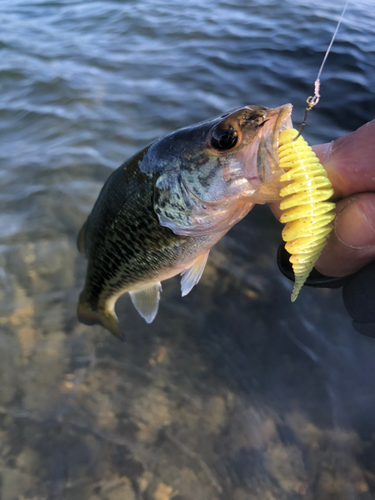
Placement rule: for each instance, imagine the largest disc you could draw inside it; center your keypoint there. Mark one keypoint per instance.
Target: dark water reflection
(233, 393)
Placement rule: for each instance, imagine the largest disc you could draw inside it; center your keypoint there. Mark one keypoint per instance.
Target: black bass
(160, 213)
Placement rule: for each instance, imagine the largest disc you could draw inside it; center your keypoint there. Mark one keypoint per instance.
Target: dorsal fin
(81, 239)
(146, 301)
(192, 275)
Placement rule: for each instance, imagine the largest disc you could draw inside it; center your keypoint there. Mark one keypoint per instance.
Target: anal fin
(192, 275)
(146, 301)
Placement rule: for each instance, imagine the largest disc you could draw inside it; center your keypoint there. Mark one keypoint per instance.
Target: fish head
(210, 175)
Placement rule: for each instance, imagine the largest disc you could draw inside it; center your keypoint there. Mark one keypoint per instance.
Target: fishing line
(313, 100)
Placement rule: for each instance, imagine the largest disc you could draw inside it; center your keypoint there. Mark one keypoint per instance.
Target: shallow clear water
(233, 393)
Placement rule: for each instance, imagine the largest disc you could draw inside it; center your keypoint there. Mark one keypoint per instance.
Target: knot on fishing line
(313, 100)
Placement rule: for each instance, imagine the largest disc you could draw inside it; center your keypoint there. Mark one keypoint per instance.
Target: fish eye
(224, 137)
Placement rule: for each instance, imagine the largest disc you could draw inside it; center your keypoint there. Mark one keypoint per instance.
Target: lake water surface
(233, 393)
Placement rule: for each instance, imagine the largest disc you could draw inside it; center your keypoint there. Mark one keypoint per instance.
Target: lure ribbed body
(307, 214)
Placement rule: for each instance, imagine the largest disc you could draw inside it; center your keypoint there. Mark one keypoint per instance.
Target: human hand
(350, 164)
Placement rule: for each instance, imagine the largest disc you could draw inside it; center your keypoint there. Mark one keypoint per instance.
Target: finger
(350, 161)
(351, 244)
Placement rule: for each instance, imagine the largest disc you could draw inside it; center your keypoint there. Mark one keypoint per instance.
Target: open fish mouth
(267, 161)
(283, 122)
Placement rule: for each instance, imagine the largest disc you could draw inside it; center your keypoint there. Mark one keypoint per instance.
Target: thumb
(352, 243)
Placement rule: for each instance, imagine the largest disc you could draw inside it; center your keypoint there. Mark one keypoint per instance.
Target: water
(233, 393)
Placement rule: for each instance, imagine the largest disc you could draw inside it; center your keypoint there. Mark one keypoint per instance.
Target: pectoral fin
(192, 275)
(146, 301)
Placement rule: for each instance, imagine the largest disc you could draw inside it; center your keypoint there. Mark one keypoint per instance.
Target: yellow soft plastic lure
(307, 214)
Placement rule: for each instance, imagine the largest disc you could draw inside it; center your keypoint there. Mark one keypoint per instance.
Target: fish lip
(280, 119)
(283, 122)
(268, 155)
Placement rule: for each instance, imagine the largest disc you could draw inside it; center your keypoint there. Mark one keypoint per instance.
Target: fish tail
(81, 239)
(92, 316)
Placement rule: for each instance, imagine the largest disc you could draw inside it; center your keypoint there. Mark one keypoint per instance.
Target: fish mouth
(268, 171)
(279, 120)
(283, 122)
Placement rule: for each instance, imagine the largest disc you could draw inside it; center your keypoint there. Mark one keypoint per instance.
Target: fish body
(160, 213)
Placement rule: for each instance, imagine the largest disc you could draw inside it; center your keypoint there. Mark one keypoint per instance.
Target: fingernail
(355, 224)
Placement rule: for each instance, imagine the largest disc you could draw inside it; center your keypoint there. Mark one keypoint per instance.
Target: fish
(159, 214)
